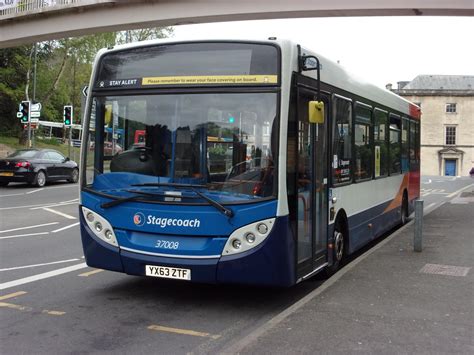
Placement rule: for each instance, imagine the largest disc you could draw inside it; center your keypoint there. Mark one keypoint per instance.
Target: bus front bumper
(269, 264)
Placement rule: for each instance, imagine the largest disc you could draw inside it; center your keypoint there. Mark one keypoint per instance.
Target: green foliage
(40, 143)
(217, 150)
(51, 142)
(63, 68)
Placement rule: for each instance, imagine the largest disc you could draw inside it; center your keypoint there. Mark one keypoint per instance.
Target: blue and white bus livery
(251, 166)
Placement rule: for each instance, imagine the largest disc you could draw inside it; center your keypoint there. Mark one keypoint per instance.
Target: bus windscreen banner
(190, 64)
(216, 79)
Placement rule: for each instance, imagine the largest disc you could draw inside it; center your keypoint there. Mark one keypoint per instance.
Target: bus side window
(405, 145)
(342, 142)
(380, 143)
(412, 142)
(363, 142)
(395, 153)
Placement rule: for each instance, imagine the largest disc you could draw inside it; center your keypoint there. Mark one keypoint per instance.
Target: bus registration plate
(168, 272)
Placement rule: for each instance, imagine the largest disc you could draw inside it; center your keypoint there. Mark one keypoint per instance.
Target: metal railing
(10, 8)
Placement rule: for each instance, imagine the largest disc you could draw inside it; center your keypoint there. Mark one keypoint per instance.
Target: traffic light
(67, 115)
(24, 112)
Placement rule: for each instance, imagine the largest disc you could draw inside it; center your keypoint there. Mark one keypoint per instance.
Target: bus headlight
(248, 237)
(236, 244)
(100, 226)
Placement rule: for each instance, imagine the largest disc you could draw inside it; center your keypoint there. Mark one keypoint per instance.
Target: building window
(450, 135)
(450, 108)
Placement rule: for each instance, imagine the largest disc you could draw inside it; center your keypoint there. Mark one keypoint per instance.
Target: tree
(14, 66)
(63, 68)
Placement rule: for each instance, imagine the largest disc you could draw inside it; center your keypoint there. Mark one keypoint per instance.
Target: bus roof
(331, 73)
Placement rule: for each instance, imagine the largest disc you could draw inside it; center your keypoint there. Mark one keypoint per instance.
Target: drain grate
(447, 270)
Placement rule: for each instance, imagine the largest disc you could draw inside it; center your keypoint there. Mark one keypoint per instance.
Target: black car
(36, 167)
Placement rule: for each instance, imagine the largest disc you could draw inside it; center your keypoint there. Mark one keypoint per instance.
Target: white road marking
(23, 235)
(59, 213)
(22, 228)
(460, 190)
(42, 276)
(32, 192)
(70, 201)
(59, 204)
(36, 207)
(36, 265)
(64, 228)
(430, 205)
(9, 195)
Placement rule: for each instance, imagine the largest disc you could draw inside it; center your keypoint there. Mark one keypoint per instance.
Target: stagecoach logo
(139, 219)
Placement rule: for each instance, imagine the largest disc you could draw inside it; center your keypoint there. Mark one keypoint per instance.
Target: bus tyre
(40, 179)
(404, 210)
(339, 249)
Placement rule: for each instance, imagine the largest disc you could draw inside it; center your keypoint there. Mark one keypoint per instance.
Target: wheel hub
(339, 245)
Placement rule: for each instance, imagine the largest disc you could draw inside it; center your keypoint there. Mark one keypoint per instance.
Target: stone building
(447, 122)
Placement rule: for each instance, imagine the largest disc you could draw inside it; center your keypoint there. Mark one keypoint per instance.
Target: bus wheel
(338, 246)
(338, 250)
(404, 211)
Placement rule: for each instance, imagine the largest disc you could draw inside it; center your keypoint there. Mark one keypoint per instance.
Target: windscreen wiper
(169, 184)
(221, 208)
(120, 200)
(226, 211)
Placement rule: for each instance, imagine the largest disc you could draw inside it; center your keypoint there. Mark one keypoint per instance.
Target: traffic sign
(35, 114)
(34, 120)
(36, 107)
(85, 89)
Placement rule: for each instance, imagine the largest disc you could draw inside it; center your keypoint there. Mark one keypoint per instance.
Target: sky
(380, 49)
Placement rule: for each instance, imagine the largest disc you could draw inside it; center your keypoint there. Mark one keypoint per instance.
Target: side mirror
(309, 62)
(316, 112)
(66, 159)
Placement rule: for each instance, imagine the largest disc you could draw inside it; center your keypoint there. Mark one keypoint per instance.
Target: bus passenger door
(311, 185)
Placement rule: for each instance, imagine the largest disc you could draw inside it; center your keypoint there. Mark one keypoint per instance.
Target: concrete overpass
(29, 21)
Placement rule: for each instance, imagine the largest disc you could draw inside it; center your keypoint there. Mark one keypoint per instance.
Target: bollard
(417, 241)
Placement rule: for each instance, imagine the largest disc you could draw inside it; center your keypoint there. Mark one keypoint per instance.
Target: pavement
(390, 300)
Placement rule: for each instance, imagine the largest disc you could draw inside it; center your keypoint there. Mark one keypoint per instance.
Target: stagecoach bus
(260, 162)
